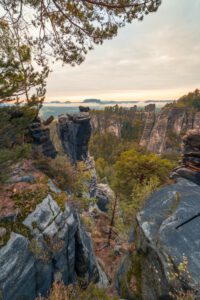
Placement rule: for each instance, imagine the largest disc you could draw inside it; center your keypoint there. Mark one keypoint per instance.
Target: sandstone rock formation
(150, 116)
(58, 248)
(51, 244)
(74, 132)
(169, 246)
(100, 124)
(41, 138)
(71, 134)
(190, 165)
(167, 235)
(163, 132)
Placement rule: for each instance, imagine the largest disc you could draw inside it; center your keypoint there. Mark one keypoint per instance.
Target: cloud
(157, 58)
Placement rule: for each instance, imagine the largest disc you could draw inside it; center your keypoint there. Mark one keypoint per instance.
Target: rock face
(104, 196)
(17, 265)
(58, 249)
(101, 124)
(190, 166)
(167, 235)
(170, 244)
(150, 115)
(163, 132)
(74, 131)
(41, 139)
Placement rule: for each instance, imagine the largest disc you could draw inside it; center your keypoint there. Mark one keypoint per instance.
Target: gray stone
(17, 276)
(3, 231)
(104, 196)
(121, 279)
(25, 178)
(43, 215)
(163, 131)
(53, 187)
(60, 250)
(75, 131)
(86, 265)
(41, 138)
(165, 245)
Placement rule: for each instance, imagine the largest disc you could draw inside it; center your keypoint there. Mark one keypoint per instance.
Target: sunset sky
(158, 58)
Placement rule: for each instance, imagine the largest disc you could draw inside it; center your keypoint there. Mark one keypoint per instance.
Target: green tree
(19, 81)
(67, 29)
(135, 168)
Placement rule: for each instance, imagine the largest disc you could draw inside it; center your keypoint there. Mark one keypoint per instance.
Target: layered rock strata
(163, 132)
(150, 116)
(190, 165)
(167, 235)
(57, 249)
(168, 238)
(41, 140)
(74, 132)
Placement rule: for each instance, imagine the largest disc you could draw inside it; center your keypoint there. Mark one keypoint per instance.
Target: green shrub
(135, 168)
(61, 292)
(59, 169)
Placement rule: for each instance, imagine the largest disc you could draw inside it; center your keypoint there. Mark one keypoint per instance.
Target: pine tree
(19, 81)
(67, 29)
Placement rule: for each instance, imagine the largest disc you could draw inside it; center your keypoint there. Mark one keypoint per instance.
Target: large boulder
(168, 236)
(104, 196)
(58, 249)
(17, 276)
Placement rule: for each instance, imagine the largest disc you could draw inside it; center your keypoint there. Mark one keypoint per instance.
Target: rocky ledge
(190, 165)
(58, 249)
(168, 238)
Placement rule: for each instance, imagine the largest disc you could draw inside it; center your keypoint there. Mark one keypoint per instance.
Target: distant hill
(92, 101)
(107, 101)
(158, 101)
(59, 102)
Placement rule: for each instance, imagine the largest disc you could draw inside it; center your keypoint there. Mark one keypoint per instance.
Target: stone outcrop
(104, 196)
(41, 140)
(190, 165)
(102, 124)
(74, 132)
(150, 116)
(169, 238)
(57, 249)
(167, 235)
(163, 131)
(69, 134)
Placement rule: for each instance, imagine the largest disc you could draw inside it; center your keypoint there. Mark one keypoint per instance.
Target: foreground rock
(168, 237)
(58, 249)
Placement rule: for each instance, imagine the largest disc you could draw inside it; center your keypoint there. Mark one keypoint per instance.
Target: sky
(158, 58)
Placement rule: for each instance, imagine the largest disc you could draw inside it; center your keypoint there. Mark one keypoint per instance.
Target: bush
(61, 292)
(139, 195)
(59, 169)
(14, 122)
(135, 168)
